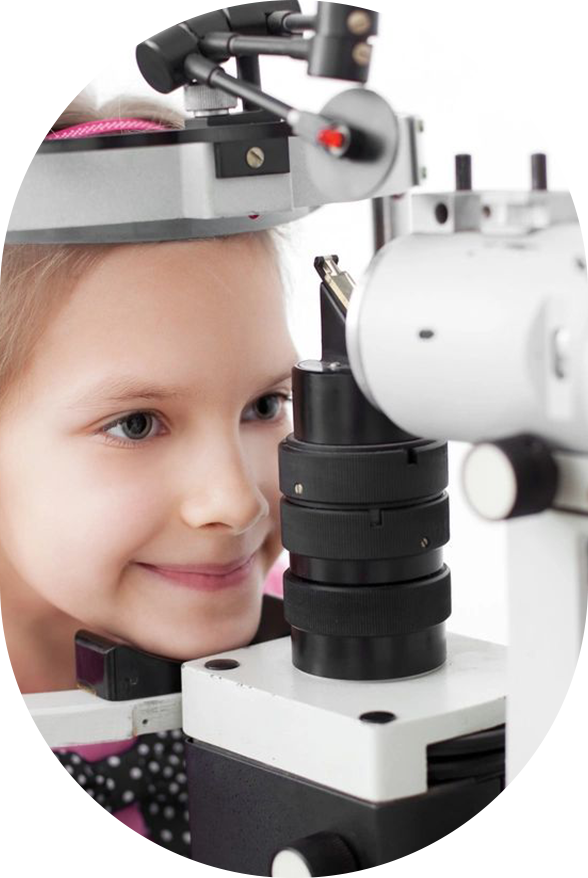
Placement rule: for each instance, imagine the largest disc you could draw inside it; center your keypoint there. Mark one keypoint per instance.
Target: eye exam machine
(355, 730)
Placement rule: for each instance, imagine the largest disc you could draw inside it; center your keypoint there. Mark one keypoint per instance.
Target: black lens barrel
(364, 517)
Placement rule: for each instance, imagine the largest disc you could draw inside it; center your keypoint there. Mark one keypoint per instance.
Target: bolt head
(255, 157)
(298, 488)
(361, 54)
(359, 22)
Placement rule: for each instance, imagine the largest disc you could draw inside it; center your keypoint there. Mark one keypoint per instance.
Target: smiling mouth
(207, 569)
(204, 577)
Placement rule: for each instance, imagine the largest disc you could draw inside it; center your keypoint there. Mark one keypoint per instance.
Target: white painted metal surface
(269, 711)
(490, 334)
(289, 864)
(74, 717)
(548, 583)
(489, 481)
(572, 491)
(170, 184)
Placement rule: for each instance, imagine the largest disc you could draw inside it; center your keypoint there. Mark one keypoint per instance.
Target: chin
(198, 642)
(209, 646)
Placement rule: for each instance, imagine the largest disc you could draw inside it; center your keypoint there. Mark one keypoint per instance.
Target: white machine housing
(483, 333)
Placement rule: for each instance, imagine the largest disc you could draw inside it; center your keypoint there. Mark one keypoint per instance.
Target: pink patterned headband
(106, 126)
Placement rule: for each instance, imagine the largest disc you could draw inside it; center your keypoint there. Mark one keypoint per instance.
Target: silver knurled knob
(201, 99)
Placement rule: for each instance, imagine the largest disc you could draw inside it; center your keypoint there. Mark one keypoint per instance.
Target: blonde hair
(36, 280)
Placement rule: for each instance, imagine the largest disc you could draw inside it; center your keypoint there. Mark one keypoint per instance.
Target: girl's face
(143, 442)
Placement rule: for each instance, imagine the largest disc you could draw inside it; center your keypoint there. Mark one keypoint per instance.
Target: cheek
(67, 522)
(262, 451)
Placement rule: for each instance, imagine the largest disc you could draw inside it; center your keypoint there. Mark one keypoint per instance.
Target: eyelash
(136, 443)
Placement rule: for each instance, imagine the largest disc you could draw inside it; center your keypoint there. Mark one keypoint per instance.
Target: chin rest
(120, 672)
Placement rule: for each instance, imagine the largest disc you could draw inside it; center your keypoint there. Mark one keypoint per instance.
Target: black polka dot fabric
(150, 774)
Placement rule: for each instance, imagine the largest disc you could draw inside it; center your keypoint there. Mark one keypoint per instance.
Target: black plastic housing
(120, 672)
(365, 517)
(269, 810)
(334, 47)
(161, 58)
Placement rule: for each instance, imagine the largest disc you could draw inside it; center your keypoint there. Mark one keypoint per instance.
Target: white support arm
(75, 717)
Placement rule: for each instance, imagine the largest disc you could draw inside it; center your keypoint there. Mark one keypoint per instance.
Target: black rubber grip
(365, 534)
(367, 611)
(335, 474)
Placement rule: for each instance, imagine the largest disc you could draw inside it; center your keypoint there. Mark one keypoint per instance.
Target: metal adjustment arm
(334, 137)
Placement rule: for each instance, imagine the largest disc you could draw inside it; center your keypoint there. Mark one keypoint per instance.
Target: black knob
(511, 477)
(324, 853)
(161, 58)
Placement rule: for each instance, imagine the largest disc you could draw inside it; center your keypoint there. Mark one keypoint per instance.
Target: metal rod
(248, 71)
(380, 223)
(219, 45)
(463, 173)
(204, 70)
(290, 22)
(390, 219)
(539, 171)
(296, 21)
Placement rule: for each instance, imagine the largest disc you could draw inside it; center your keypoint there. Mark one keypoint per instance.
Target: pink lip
(207, 569)
(205, 577)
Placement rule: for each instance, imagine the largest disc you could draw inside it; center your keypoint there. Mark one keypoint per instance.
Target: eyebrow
(124, 389)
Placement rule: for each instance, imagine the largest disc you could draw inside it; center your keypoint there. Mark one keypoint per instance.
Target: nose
(225, 493)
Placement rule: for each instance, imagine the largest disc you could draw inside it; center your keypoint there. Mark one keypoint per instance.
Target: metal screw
(361, 54)
(255, 157)
(420, 126)
(424, 542)
(334, 366)
(359, 22)
(423, 173)
(298, 488)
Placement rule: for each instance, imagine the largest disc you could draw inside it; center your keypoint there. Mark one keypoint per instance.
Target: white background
(497, 85)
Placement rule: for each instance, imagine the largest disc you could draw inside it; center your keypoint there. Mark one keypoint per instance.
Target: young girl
(143, 393)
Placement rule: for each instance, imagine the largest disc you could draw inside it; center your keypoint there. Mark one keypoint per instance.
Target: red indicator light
(331, 138)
